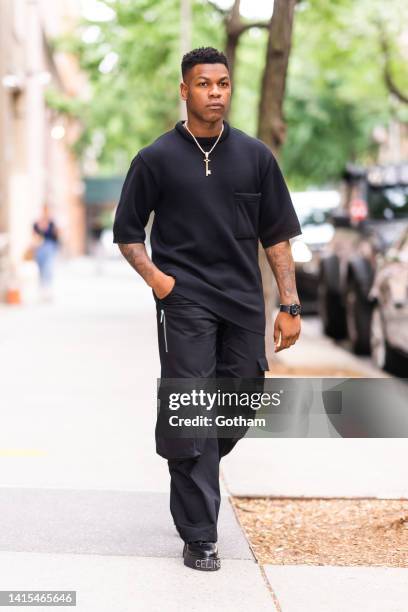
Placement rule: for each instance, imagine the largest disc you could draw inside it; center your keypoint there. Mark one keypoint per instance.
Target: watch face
(295, 309)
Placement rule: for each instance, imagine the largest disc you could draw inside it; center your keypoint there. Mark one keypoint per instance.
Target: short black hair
(202, 55)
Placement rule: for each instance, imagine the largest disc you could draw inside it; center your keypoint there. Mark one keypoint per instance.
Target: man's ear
(183, 90)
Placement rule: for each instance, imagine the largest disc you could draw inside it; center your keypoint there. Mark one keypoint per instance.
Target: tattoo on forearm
(281, 262)
(138, 258)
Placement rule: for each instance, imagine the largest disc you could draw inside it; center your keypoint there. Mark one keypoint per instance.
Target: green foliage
(336, 93)
(247, 80)
(64, 104)
(137, 98)
(335, 88)
(323, 134)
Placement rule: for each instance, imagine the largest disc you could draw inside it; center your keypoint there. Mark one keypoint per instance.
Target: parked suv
(373, 212)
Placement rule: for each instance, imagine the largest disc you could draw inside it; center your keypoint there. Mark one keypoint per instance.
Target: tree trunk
(233, 32)
(271, 125)
(234, 27)
(272, 129)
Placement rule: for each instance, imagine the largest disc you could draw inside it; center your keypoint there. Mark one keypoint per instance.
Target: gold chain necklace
(206, 153)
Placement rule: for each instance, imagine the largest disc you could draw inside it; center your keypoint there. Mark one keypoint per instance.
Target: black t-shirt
(206, 228)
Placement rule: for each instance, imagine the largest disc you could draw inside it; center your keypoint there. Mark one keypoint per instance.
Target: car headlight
(301, 253)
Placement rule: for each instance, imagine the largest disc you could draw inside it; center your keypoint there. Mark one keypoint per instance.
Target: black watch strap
(293, 309)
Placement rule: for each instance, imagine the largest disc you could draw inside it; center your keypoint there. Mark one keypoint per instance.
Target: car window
(315, 217)
(388, 202)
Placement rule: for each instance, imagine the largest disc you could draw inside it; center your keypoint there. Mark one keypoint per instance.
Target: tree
(131, 62)
(234, 27)
(271, 125)
(389, 79)
(335, 90)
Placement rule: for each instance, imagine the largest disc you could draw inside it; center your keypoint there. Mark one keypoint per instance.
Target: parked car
(313, 209)
(389, 322)
(373, 212)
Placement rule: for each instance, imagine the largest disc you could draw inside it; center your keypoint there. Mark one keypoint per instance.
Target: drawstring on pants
(163, 320)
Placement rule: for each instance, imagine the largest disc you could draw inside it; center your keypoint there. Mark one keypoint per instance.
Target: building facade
(37, 165)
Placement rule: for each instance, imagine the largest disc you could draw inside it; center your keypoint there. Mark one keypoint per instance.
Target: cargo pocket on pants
(172, 442)
(263, 364)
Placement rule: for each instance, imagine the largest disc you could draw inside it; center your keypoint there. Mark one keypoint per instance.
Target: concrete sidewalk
(84, 496)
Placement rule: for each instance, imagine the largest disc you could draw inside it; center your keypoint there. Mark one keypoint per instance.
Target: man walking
(215, 192)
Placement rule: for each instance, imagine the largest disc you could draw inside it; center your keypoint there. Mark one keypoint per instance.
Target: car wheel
(330, 311)
(383, 356)
(358, 319)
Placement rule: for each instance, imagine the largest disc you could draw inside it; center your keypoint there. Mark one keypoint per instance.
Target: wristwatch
(293, 309)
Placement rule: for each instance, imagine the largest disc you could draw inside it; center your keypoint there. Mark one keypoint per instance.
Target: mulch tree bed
(326, 531)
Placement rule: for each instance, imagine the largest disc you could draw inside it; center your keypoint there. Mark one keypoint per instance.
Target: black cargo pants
(196, 343)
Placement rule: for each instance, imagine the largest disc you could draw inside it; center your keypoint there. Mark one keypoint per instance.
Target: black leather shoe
(202, 556)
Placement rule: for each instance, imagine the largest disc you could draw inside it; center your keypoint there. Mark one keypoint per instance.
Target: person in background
(46, 232)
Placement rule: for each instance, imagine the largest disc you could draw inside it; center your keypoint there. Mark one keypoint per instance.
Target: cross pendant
(206, 160)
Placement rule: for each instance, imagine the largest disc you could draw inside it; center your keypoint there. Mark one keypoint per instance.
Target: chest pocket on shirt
(246, 214)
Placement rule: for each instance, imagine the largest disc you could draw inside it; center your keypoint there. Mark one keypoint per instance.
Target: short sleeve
(137, 200)
(278, 219)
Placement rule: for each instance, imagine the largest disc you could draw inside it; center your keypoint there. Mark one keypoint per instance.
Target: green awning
(103, 190)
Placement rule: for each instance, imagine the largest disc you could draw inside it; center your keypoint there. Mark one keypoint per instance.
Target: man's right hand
(163, 285)
(136, 254)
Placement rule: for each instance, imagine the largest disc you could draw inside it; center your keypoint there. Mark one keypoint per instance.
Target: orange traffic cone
(13, 296)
